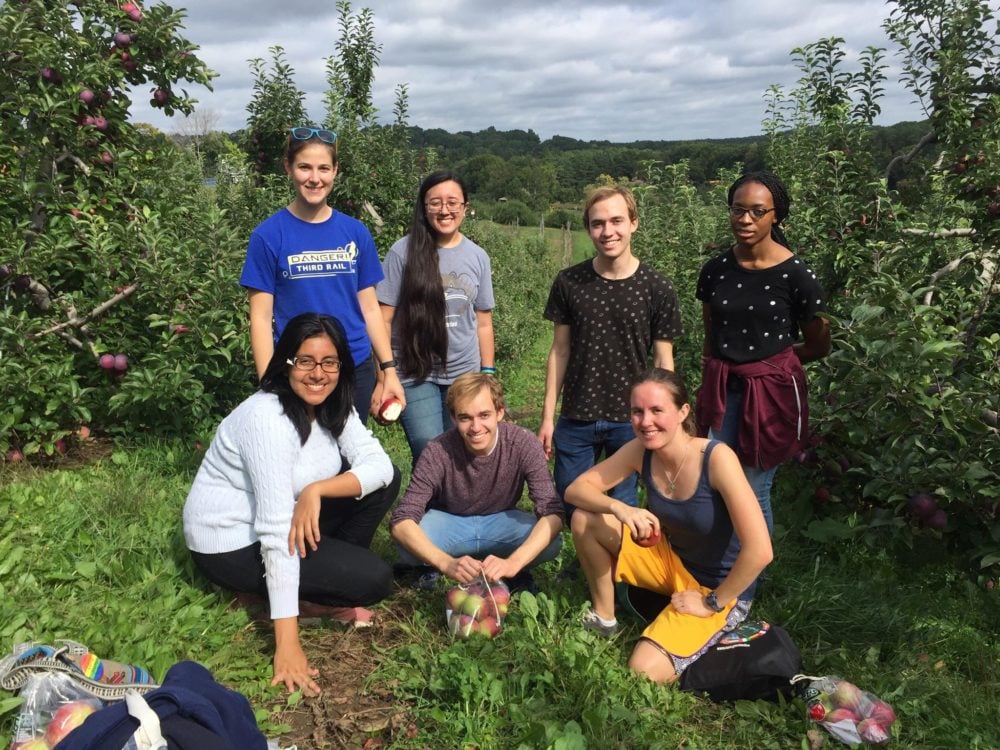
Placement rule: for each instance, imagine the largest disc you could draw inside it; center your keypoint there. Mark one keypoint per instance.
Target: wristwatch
(712, 603)
(387, 364)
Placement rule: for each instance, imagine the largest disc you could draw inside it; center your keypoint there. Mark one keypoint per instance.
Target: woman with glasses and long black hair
(437, 301)
(761, 306)
(273, 514)
(310, 258)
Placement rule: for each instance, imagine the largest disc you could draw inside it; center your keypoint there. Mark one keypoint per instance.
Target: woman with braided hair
(760, 305)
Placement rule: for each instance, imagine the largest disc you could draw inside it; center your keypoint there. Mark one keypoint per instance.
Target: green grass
(95, 554)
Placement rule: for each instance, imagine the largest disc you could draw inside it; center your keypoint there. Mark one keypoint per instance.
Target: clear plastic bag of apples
(477, 608)
(850, 714)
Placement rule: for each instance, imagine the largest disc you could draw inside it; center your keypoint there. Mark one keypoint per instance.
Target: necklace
(672, 482)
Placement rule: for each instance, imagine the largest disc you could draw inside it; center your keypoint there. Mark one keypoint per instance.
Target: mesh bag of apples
(850, 714)
(476, 608)
(54, 705)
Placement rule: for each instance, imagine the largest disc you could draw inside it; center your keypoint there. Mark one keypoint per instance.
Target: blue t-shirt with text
(314, 268)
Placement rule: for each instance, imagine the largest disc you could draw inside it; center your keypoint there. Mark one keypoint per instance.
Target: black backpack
(755, 662)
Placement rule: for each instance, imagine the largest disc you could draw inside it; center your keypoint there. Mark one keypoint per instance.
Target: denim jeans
(364, 386)
(579, 445)
(425, 416)
(479, 536)
(760, 479)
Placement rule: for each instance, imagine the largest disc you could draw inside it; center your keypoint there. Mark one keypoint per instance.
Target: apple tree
(911, 391)
(115, 269)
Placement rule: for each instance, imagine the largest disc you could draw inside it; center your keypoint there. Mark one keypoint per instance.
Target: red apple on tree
(121, 362)
(87, 96)
(14, 456)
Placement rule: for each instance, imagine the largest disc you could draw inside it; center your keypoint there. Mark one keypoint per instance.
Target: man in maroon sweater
(459, 514)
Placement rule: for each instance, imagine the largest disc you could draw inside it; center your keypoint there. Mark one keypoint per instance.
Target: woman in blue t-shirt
(702, 540)
(309, 258)
(759, 299)
(437, 300)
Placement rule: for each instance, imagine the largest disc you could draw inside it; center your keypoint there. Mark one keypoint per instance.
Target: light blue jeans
(479, 536)
(760, 479)
(425, 416)
(579, 445)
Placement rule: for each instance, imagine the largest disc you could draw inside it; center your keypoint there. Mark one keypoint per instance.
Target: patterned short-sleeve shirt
(756, 313)
(613, 324)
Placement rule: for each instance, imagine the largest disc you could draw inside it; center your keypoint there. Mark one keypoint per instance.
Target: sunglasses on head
(304, 134)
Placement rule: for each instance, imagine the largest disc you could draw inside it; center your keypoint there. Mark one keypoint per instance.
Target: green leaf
(87, 569)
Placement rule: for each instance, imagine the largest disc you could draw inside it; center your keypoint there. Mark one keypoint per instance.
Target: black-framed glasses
(308, 364)
(436, 204)
(757, 213)
(304, 134)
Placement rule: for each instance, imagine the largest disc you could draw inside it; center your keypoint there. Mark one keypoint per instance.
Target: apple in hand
(648, 541)
(67, 718)
(390, 410)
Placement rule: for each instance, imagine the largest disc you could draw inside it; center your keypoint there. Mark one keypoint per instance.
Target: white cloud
(588, 70)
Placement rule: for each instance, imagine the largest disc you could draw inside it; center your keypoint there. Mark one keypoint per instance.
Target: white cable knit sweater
(253, 471)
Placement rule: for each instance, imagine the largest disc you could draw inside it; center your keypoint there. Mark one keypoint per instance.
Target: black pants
(341, 572)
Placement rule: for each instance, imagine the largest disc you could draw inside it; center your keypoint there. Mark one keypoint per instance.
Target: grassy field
(92, 550)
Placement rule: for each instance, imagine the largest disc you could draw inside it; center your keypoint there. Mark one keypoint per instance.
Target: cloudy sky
(646, 69)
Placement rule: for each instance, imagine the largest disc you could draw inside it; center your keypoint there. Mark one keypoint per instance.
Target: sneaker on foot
(427, 581)
(422, 577)
(592, 622)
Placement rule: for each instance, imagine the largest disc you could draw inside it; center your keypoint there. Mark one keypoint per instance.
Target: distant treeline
(518, 165)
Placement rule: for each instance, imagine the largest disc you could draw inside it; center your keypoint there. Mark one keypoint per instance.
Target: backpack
(756, 661)
(191, 709)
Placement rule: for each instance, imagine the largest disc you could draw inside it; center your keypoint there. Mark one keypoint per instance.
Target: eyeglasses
(436, 204)
(757, 213)
(308, 364)
(304, 134)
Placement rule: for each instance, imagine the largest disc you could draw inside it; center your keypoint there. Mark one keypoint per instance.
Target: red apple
(132, 11)
(455, 596)
(87, 96)
(489, 627)
(460, 625)
(823, 494)
(14, 456)
(847, 695)
(36, 744)
(921, 505)
(22, 282)
(59, 445)
(84, 432)
(6, 271)
(471, 605)
(107, 361)
(648, 541)
(817, 711)
(161, 97)
(873, 732)
(122, 39)
(67, 718)
(107, 158)
(390, 410)
(121, 362)
(100, 123)
(937, 520)
(882, 713)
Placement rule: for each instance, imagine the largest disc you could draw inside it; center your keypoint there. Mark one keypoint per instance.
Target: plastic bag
(850, 714)
(476, 608)
(54, 705)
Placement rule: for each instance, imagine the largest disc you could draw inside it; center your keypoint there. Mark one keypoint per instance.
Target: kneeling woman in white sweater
(272, 510)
